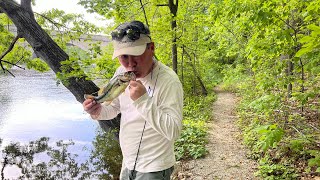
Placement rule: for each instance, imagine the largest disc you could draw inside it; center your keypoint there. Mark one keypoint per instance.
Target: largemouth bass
(113, 89)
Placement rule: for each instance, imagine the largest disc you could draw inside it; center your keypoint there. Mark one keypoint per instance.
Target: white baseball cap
(130, 47)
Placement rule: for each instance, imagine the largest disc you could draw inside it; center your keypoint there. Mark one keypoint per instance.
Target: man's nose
(131, 61)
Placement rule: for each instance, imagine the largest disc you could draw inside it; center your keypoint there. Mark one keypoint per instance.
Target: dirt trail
(227, 156)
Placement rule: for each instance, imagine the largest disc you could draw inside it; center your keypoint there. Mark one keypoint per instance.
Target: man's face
(140, 65)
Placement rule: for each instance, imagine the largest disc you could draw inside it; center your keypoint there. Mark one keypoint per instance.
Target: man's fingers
(137, 89)
(135, 83)
(87, 102)
(93, 109)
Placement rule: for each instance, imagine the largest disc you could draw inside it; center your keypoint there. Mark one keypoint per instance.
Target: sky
(69, 6)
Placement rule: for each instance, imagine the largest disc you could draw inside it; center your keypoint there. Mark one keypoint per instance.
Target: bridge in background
(83, 42)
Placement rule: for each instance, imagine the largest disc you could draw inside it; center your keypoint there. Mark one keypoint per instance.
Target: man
(150, 107)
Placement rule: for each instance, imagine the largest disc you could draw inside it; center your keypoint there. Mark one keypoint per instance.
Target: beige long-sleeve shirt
(161, 109)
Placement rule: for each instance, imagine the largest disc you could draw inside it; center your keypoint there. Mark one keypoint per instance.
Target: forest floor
(227, 155)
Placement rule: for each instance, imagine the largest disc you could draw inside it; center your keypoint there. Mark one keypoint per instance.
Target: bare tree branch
(144, 12)
(10, 47)
(196, 73)
(142, 7)
(56, 24)
(14, 64)
(162, 5)
(1, 65)
(6, 52)
(10, 73)
(50, 20)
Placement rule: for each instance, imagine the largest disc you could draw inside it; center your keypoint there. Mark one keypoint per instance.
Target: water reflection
(33, 106)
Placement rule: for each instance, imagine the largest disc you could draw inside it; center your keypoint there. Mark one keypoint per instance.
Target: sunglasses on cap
(132, 32)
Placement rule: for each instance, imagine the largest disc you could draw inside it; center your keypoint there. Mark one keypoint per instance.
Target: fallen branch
(314, 127)
(298, 131)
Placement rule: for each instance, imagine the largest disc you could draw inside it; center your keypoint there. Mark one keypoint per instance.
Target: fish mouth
(132, 74)
(127, 76)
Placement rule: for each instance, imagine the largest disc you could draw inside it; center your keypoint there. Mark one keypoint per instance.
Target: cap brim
(134, 51)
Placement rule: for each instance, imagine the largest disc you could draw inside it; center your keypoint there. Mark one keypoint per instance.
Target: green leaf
(314, 28)
(303, 51)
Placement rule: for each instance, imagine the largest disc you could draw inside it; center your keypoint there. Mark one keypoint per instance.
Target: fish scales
(113, 89)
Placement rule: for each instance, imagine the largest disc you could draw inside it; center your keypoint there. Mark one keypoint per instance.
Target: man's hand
(136, 89)
(92, 107)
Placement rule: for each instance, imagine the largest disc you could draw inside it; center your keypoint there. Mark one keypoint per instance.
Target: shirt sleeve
(164, 113)
(108, 111)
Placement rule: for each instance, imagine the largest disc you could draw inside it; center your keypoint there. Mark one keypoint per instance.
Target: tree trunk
(173, 10)
(43, 45)
(195, 72)
(289, 75)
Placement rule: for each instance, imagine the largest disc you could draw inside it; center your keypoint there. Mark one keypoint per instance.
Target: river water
(33, 106)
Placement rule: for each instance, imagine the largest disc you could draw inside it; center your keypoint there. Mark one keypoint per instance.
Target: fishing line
(145, 122)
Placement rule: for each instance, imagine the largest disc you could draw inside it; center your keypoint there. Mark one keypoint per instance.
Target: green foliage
(297, 146)
(99, 67)
(192, 141)
(234, 78)
(70, 68)
(269, 136)
(271, 171)
(265, 104)
(38, 65)
(310, 42)
(196, 112)
(275, 69)
(315, 160)
(102, 7)
(198, 108)
(20, 53)
(65, 27)
(261, 138)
